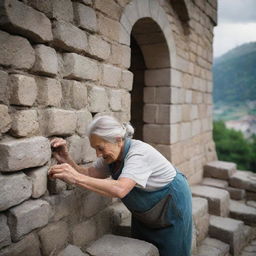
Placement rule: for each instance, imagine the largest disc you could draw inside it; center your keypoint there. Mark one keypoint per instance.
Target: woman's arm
(111, 188)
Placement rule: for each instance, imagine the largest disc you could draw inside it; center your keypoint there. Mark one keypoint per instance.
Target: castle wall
(63, 62)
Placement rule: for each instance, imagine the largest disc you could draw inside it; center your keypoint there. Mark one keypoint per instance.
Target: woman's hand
(64, 172)
(60, 150)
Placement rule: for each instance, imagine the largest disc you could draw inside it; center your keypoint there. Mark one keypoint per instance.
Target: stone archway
(146, 28)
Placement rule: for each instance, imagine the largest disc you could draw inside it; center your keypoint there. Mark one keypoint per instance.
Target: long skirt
(175, 238)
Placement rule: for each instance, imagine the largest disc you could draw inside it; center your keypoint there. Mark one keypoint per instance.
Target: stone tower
(63, 62)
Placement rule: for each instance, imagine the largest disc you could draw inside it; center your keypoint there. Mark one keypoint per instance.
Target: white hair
(109, 128)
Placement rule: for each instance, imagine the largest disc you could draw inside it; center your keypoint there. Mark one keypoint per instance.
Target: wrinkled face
(110, 152)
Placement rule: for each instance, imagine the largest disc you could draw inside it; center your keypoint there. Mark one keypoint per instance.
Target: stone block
(24, 218)
(90, 153)
(236, 193)
(110, 245)
(99, 47)
(98, 99)
(46, 60)
(110, 8)
(53, 237)
(24, 153)
(149, 94)
(244, 180)
(61, 122)
(84, 117)
(4, 89)
(29, 245)
(250, 195)
(177, 95)
(126, 104)
(157, 77)
(93, 203)
(6, 120)
(16, 51)
(74, 94)
(186, 131)
(175, 113)
(111, 75)
(21, 19)
(49, 92)
(242, 212)
(218, 199)
(84, 233)
(24, 123)
(212, 247)
(62, 10)
(196, 127)
(163, 95)
(39, 180)
(222, 184)
(126, 80)
(57, 9)
(56, 186)
(23, 189)
(85, 17)
(150, 113)
(120, 55)
(115, 100)
(68, 37)
(77, 148)
(72, 250)
(163, 114)
(5, 236)
(23, 90)
(219, 170)
(80, 67)
(62, 205)
(153, 133)
(200, 217)
(108, 27)
(227, 230)
(175, 133)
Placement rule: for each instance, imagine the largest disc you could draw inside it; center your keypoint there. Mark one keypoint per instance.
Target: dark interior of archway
(137, 68)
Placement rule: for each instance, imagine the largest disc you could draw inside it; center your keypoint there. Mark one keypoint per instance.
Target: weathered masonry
(63, 62)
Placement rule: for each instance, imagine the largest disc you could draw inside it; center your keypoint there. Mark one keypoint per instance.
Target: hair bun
(129, 130)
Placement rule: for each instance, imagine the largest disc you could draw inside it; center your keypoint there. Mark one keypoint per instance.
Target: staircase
(224, 219)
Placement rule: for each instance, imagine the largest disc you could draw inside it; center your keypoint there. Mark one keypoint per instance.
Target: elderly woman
(155, 192)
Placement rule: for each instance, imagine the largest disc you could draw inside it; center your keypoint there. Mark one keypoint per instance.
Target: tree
(231, 146)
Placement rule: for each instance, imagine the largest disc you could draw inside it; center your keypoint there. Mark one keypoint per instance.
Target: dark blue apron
(162, 217)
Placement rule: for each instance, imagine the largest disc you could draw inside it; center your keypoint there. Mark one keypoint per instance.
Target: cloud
(231, 35)
(236, 11)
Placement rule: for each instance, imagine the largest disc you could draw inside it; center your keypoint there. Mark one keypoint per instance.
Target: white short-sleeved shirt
(143, 164)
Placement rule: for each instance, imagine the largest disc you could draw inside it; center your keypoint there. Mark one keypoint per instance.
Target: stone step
(229, 231)
(241, 211)
(250, 249)
(236, 193)
(218, 199)
(72, 250)
(213, 182)
(219, 169)
(200, 218)
(112, 245)
(212, 247)
(243, 180)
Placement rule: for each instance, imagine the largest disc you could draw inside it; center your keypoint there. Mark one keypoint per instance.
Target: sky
(236, 25)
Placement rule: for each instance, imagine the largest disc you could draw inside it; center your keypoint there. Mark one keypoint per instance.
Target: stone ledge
(110, 245)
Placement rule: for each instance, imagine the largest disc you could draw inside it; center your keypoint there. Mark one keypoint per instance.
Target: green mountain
(234, 75)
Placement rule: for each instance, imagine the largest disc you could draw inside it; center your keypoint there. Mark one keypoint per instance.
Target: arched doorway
(150, 96)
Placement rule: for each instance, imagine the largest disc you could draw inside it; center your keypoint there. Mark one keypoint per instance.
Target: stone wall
(63, 62)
